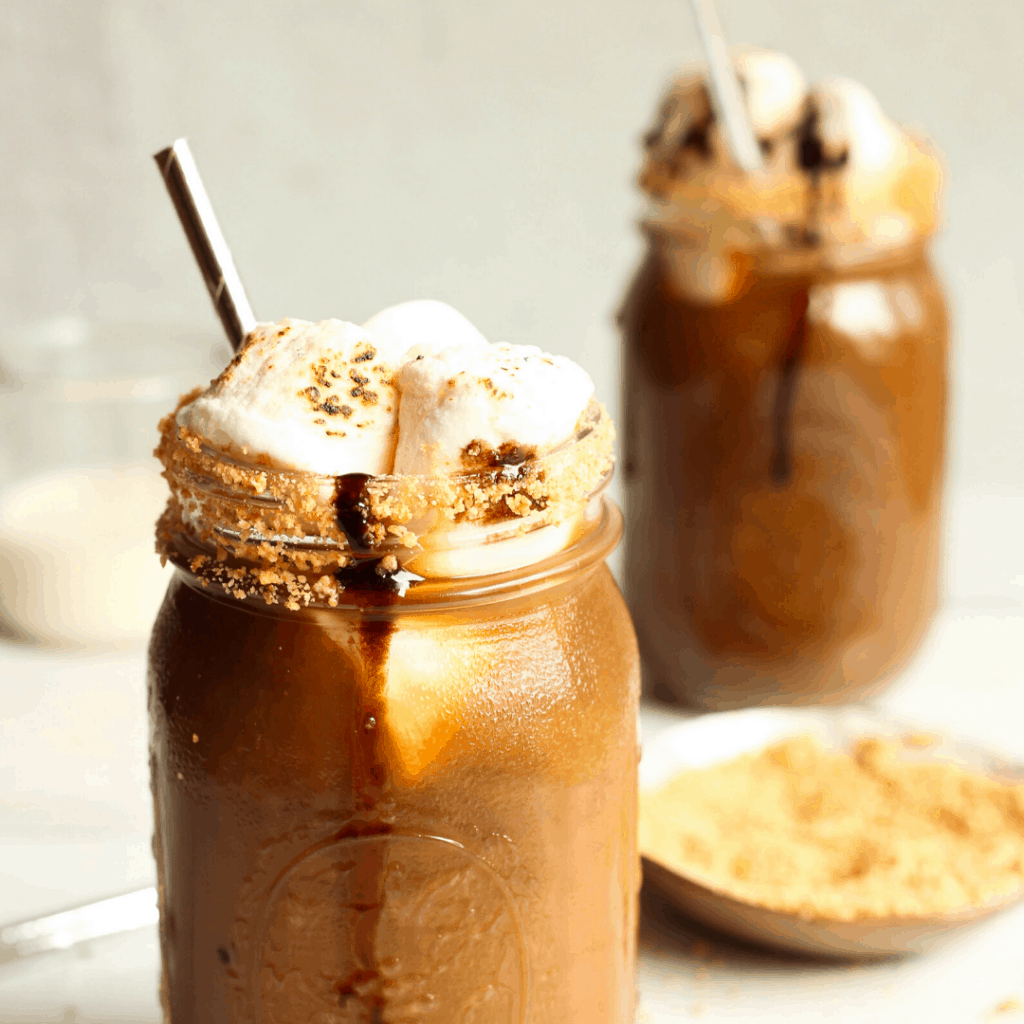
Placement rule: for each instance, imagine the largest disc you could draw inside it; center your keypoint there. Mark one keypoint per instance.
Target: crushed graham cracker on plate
(800, 829)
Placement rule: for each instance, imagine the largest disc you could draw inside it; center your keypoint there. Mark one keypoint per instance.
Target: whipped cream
(416, 390)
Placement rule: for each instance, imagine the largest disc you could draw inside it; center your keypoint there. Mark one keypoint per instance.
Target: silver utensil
(64, 929)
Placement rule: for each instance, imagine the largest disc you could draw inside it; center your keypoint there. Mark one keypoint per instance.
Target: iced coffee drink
(786, 374)
(393, 686)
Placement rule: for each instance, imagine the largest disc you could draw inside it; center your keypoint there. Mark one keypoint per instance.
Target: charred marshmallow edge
(417, 390)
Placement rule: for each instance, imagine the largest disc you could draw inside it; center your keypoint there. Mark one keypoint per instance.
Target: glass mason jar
(399, 787)
(785, 452)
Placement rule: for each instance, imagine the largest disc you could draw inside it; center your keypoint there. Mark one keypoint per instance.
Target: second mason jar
(391, 793)
(785, 363)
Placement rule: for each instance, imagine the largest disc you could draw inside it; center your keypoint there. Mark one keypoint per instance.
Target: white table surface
(75, 822)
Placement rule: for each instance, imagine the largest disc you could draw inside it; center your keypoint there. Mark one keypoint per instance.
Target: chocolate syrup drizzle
(373, 589)
(796, 336)
(365, 573)
(814, 161)
(811, 157)
(810, 146)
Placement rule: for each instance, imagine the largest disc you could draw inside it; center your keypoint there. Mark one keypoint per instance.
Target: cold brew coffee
(393, 687)
(785, 361)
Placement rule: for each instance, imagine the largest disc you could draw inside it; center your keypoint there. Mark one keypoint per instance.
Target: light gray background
(362, 152)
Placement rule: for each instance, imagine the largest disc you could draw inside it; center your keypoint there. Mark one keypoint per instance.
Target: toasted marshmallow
(775, 90)
(880, 185)
(334, 398)
(304, 396)
(851, 120)
(466, 406)
(426, 324)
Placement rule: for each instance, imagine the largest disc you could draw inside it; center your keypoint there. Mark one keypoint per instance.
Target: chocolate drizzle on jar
(813, 161)
(811, 152)
(364, 986)
(373, 586)
(476, 455)
(369, 570)
(781, 464)
(697, 139)
(352, 509)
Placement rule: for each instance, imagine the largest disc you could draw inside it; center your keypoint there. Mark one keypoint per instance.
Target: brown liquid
(796, 337)
(784, 482)
(393, 816)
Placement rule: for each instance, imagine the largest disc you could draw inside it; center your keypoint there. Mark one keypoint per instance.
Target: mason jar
(785, 453)
(394, 744)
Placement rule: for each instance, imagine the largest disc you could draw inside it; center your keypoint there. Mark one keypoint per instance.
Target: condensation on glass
(402, 803)
(785, 364)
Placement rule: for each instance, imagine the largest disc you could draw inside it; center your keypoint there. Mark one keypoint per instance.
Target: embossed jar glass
(407, 802)
(785, 456)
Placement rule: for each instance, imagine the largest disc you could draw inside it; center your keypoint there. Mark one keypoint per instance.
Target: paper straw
(204, 236)
(725, 89)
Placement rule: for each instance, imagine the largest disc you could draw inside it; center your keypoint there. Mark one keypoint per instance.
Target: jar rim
(258, 529)
(593, 418)
(823, 217)
(584, 554)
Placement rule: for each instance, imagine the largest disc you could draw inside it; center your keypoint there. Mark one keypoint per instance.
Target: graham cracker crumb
(872, 833)
(1011, 1005)
(255, 531)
